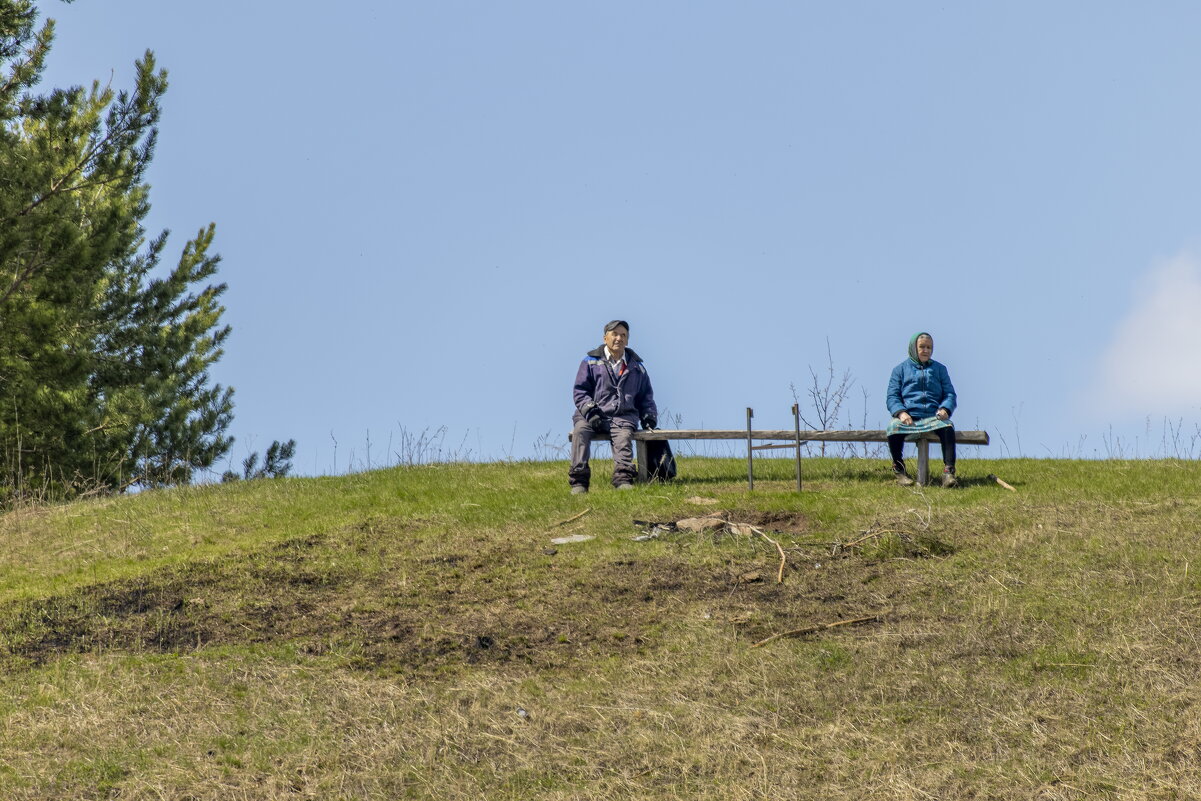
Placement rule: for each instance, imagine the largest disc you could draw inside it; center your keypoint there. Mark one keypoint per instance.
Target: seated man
(612, 394)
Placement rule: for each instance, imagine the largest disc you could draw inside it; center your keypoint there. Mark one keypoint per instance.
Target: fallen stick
(813, 629)
(573, 517)
(871, 534)
(780, 572)
(866, 536)
(1002, 483)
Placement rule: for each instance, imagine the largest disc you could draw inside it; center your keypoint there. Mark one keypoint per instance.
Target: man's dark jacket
(629, 398)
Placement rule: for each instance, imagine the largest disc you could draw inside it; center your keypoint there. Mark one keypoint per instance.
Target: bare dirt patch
(777, 522)
(428, 613)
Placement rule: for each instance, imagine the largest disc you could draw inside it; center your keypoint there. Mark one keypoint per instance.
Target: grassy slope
(412, 633)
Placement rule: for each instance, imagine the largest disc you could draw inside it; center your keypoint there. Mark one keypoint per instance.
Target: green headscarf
(913, 347)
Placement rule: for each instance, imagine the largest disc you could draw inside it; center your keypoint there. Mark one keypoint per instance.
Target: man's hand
(594, 418)
(905, 419)
(650, 422)
(943, 414)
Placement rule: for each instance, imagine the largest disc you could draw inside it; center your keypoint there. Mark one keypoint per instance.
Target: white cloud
(1153, 364)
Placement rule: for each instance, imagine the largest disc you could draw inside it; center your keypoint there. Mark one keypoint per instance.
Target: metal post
(750, 473)
(796, 421)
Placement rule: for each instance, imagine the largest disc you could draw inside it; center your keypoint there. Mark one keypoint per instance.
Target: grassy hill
(414, 633)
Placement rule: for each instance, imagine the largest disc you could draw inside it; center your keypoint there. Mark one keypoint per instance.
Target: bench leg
(923, 462)
(640, 456)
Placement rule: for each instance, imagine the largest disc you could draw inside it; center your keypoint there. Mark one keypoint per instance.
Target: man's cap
(609, 326)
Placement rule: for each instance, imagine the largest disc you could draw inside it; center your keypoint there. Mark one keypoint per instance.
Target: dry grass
(413, 634)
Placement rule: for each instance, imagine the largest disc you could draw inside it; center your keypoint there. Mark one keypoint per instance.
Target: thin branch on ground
(870, 534)
(780, 572)
(573, 517)
(819, 627)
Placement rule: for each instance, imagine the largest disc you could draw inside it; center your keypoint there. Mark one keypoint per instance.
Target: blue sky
(427, 211)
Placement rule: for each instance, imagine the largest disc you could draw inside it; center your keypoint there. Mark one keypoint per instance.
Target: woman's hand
(906, 419)
(943, 414)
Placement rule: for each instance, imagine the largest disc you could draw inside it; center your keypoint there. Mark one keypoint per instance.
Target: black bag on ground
(661, 464)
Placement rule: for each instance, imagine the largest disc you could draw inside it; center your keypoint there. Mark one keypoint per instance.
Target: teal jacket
(919, 390)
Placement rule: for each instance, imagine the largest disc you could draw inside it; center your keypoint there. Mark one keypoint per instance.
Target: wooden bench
(793, 439)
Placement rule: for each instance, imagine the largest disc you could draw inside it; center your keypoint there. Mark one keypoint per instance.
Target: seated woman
(921, 398)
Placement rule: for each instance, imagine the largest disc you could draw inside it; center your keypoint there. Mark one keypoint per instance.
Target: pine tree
(103, 367)
(276, 464)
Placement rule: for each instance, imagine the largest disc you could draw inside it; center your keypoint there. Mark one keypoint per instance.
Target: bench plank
(966, 437)
(923, 442)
